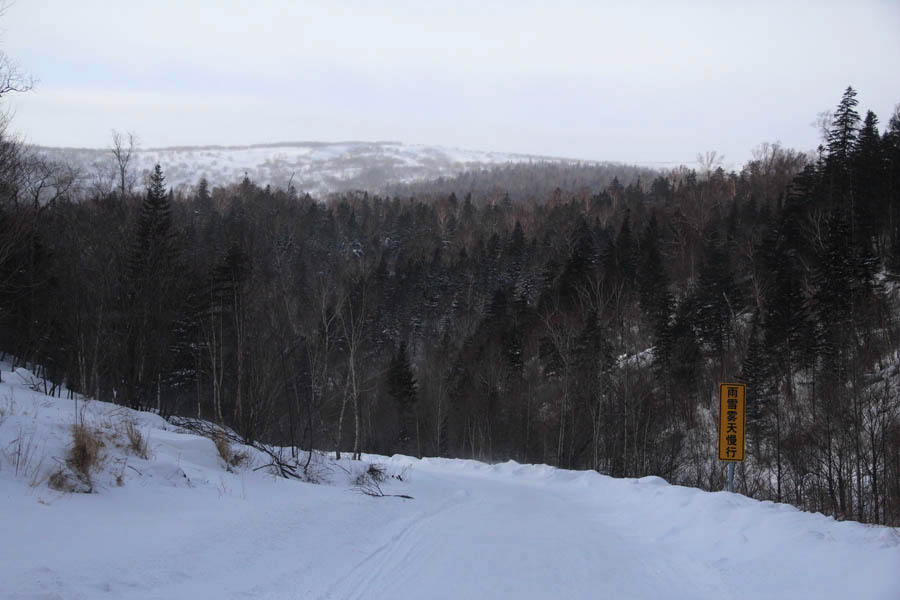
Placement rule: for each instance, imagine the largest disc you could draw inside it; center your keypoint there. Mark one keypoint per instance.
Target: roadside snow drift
(180, 523)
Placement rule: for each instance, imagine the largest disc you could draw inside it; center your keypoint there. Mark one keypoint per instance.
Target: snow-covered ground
(314, 167)
(180, 525)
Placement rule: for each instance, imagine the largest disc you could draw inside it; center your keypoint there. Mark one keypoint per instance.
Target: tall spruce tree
(152, 302)
(717, 295)
(870, 204)
(153, 240)
(844, 126)
(402, 389)
(653, 282)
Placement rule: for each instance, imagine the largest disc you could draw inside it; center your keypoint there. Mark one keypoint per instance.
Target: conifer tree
(580, 262)
(653, 282)
(402, 389)
(870, 204)
(152, 275)
(153, 240)
(844, 126)
(756, 371)
(717, 296)
(626, 254)
(204, 198)
(834, 297)
(891, 148)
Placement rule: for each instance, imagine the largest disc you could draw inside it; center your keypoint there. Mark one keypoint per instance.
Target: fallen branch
(369, 483)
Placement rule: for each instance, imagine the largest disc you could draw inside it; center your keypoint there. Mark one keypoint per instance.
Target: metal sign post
(732, 411)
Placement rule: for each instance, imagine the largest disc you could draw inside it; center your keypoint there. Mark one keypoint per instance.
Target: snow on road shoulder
(178, 523)
(764, 549)
(181, 523)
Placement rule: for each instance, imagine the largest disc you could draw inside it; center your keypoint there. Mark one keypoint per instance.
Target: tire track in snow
(359, 581)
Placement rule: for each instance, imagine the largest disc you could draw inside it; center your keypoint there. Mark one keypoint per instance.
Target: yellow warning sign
(731, 421)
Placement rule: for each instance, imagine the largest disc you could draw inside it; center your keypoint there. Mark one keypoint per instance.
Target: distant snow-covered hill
(314, 167)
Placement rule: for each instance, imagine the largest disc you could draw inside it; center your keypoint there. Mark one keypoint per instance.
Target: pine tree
(717, 294)
(785, 323)
(891, 148)
(152, 276)
(757, 371)
(626, 254)
(578, 267)
(661, 191)
(679, 355)
(593, 355)
(653, 283)
(402, 389)
(870, 204)
(842, 136)
(834, 297)
(204, 198)
(153, 241)
(893, 256)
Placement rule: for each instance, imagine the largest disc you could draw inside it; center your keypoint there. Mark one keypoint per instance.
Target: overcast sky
(630, 81)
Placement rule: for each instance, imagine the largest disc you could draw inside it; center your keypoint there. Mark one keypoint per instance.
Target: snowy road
(180, 527)
(510, 538)
(472, 531)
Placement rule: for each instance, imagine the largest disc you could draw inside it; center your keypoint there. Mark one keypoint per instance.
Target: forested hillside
(583, 325)
(317, 168)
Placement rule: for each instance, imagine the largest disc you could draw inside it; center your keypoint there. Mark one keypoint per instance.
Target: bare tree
(102, 179)
(822, 123)
(325, 302)
(709, 161)
(12, 78)
(45, 181)
(560, 330)
(212, 331)
(123, 149)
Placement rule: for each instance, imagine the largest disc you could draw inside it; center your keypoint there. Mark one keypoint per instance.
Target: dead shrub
(61, 481)
(84, 454)
(22, 453)
(369, 482)
(223, 445)
(137, 442)
(377, 472)
(82, 459)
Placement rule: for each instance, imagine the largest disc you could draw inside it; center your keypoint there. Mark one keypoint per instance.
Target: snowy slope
(314, 167)
(181, 526)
